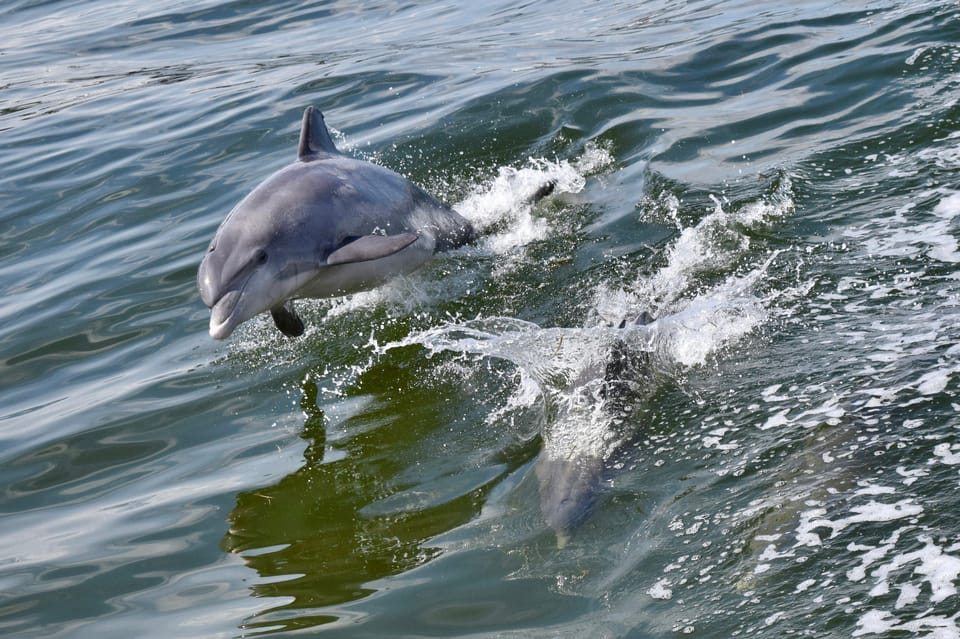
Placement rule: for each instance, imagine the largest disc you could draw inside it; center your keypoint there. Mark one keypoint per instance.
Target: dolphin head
(244, 274)
(255, 262)
(569, 488)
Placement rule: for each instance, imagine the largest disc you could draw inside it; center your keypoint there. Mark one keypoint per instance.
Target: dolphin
(325, 226)
(570, 480)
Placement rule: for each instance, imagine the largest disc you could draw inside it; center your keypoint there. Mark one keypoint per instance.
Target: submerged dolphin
(570, 480)
(324, 226)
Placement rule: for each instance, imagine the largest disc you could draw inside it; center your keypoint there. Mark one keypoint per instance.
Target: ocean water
(777, 184)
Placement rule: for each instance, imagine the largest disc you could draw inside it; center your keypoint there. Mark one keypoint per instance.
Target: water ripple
(795, 164)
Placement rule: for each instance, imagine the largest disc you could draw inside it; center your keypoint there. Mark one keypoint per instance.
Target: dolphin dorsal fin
(314, 137)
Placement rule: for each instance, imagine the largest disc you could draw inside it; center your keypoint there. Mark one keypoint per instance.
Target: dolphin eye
(260, 257)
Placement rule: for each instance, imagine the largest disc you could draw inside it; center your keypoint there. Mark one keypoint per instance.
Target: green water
(778, 184)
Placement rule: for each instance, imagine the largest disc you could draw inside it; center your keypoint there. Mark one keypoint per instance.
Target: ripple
(777, 179)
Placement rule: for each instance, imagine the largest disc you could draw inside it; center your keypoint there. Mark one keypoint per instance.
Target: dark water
(778, 183)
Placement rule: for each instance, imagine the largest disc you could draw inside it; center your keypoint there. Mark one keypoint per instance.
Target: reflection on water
(308, 534)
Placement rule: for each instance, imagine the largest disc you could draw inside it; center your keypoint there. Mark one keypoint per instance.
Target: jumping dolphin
(326, 225)
(570, 477)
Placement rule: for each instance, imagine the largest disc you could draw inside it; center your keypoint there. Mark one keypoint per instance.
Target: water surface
(777, 184)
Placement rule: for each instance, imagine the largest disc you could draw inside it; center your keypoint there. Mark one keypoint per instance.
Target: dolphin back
(571, 481)
(450, 229)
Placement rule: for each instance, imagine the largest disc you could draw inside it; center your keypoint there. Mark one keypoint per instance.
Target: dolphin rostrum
(326, 225)
(570, 479)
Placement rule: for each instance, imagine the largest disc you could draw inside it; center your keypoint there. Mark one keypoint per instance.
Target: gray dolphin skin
(325, 226)
(570, 485)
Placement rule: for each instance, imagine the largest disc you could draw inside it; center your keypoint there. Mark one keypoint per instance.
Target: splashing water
(715, 243)
(568, 368)
(688, 330)
(502, 210)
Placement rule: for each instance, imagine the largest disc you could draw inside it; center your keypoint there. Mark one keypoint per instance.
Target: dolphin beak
(223, 315)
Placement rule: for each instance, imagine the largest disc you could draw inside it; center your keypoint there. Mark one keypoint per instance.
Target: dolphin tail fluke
(314, 137)
(545, 189)
(287, 320)
(642, 319)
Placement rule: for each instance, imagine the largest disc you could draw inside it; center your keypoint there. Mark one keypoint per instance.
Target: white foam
(909, 594)
(932, 626)
(922, 234)
(501, 209)
(872, 511)
(945, 158)
(945, 454)
(913, 57)
(696, 324)
(776, 420)
(935, 567)
(874, 622)
(661, 590)
(929, 572)
(774, 618)
(938, 569)
(910, 476)
(805, 585)
(713, 320)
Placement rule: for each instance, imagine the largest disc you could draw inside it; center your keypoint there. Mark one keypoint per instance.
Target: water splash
(714, 244)
(568, 368)
(502, 210)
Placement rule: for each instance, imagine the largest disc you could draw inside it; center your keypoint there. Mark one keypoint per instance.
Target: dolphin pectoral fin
(287, 320)
(371, 247)
(314, 136)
